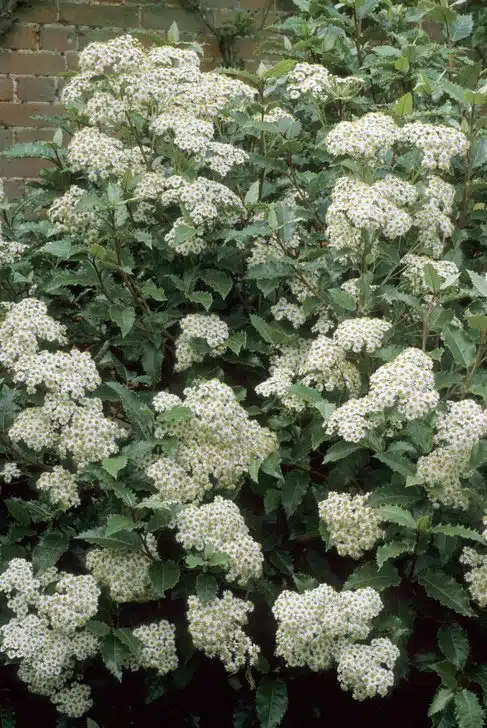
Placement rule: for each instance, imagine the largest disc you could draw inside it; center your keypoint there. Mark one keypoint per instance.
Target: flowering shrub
(267, 446)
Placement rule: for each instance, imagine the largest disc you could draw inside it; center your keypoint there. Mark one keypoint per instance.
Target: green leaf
(462, 348)
(100, 629)
(447, 673)
(8, 408)
(122, 540)
(173, 33)
(49, 549)
(479, 154)
(90, 723)
(293, 491)
(140, 415)
(272, 500)
(432, 278)
(479, 282)
(123, 316)
(370, 575)
(114, 465)
(446, 590)
(220, 281)
(202, 297)
(180, 413)
(19, 510)
(271, 333)
(271, 701)
(468, 711)
(237, 341)
(397, 463)
(127, 637)
(163, 575)
(341, 450)
(280, 69)
(461, 27)
(114, 654)
(24, 150)
(396, 514)
(443, 697)
(394, 495)
(313, 397)
(453, 642)
(152, 358)
(206, 587)
(391, 550)
(342, 299)
(404, 105)
(450, 529)
(252, 194)
(118, 523)
(477, 322)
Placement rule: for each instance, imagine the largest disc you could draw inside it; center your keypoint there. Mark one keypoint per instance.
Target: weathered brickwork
(47, 37)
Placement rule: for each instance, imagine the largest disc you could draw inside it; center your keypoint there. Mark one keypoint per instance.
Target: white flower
(439, 143)
(353, 526)
(361, 334)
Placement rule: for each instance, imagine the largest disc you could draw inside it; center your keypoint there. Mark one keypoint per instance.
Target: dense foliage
(242, 406)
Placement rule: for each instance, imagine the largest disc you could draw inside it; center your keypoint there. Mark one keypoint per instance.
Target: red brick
(161, 18)
(6, 138)
(21, 114)
(40, 11)
(95, 35)
(116, 16)
(57, 38)
(72, 61)
(34, 135)
(6, 89)
(24, 37)
(14, 188)
(22, 167)
(36, 89)
(24, 63)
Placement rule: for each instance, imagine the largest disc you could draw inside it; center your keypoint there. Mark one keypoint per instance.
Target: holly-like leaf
(118, 523)
(445, 590)
(123, 317)
(114, 654)
(468, 711)
(443, 697)
(49, 549)
(370, 575)
(123, 540)
(114, 465)
(391, 550)
(271, 701)
(453, 642)
(293, 491)
(341, 450)
(396, 514)
(451, 529)
(206, 587)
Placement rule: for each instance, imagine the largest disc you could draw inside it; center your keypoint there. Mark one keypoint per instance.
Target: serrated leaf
(461, 27)
(118, 523)
(237, 341)
(340, 450)
(123, 540)
(206, 587)
(114, 465)
(462, 348)
(272, 500)
(123, 317)
(293, 491)
(479, 282)
(391, 550)
(114, 654)
(342, 299)
(252, 194)
(370, 575)
(202, 297)
(443, 697)
(163, 575)
(180, 413)
(271, 701)
(468, 711)
(100, 629)
(453, 642)
(49, 549)
(450, 529)
(140, 415)
(127, 637)
(479, 153)
(152, 358)
(220, 281)
(446, 590)
(396, 514)
(26, 150)
(404, 105)
(397, 463)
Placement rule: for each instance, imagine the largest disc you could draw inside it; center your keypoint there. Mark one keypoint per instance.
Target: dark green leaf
(453, 642)
(446, 590)
(370, 575)
(271, 701)
(49, 549)
(468, 711)
(163, 575)
(206, 587)
(293, 491)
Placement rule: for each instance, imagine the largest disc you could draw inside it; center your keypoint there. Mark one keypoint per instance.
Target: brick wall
(45, 41)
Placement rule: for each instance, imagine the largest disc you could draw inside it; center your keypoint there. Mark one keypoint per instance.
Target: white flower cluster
(433, 218)
(219, 526)
(367, 670)
(476, 578)
(284, 370)
(321, 626)
(71, 216)
(125, 573)
(216, 628)
(208, 327)
(101, 156)
(9, 472)
(457, 430)
(60, 487)
(313, 79)
(369, 137)
(215, 446)
(439, 143)
(353, 526)
(361, 334)
(67, 421)
(407, 383)
(10, 252)
(47, 634)
(413, 273)
(325, 367)
(283, 309)
(158, 649)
